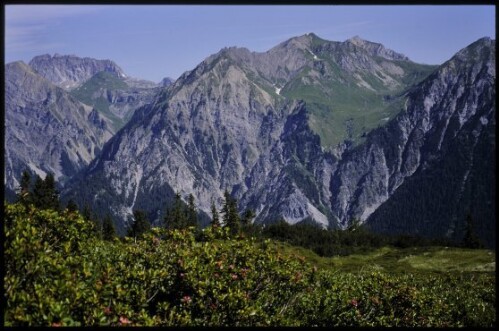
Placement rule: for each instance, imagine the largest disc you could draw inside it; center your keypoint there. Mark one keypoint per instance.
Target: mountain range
(311, 130)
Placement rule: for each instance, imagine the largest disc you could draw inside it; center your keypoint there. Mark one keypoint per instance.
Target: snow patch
(277, 89)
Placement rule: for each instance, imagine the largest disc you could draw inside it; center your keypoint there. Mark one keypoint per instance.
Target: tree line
(43, 194)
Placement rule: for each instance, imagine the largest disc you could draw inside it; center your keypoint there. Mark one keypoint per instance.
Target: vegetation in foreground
(60, 272)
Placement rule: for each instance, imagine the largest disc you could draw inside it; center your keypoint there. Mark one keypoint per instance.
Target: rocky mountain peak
(376, 49)
(167, 81)
(46, 129)
(18, 65)
(480, 50)
(302, 42)
(70, 71)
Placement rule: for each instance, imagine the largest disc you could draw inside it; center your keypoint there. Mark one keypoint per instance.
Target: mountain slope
(46, 130)
(112, 96)
(428, 167)
(70, 71)
(230, 124)
(213, 129)
(457, 167)
(350, 87)
(101, 84)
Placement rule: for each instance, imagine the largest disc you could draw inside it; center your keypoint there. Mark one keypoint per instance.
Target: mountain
(114, 96)
(311, 130)
(213, 129)
(70, 71)
(248, 122)
(46, 129)
(101, 84)
(444, 142)
(350, 87)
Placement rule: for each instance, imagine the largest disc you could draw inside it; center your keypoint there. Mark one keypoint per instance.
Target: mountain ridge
(310, 130)
(223, 125)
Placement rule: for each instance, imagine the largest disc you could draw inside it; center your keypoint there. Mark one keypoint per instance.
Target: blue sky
(153, 42)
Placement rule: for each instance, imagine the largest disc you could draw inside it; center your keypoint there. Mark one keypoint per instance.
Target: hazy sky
(153, 42)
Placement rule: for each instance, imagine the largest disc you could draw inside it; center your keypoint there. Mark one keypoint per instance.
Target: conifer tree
(231, 217)
(108, 230)
(226, 208)
(192, 215)
(71, 206)
(24, 194)
(215, 220)
(139, 225)
(38, 192)
(248, 216)
(52, 194)
(87, 215)
(176, 218)
(45, 194)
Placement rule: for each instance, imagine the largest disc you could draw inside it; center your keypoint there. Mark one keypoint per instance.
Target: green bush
(58, 273)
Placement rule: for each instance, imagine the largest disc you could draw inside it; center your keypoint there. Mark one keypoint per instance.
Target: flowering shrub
(58, 274)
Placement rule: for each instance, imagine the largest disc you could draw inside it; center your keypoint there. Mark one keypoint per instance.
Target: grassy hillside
(402, 260)
(91, 91)
(341, 107)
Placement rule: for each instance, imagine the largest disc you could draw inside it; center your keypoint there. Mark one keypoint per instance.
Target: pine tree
(231, 217)
(38, 192)
(247, 217)
(175, 218)
(215, 220)
(45, 194)
(87, 215)
(226, 208)
(24, 195)
(108, 231)
(192, 215)
(139, 225)
(71, 206)
(52, 194)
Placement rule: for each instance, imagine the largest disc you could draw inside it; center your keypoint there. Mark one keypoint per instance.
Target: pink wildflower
(124, 320)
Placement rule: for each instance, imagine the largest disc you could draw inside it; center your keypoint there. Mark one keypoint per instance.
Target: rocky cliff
(47, 130)
(70, 71)
(311, 129)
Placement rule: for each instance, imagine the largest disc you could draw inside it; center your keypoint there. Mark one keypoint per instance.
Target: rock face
(47, 130)
(70, 71)
(101, 84)
(114, 96)
(244, 122)
(444, 145)
(167, 81)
